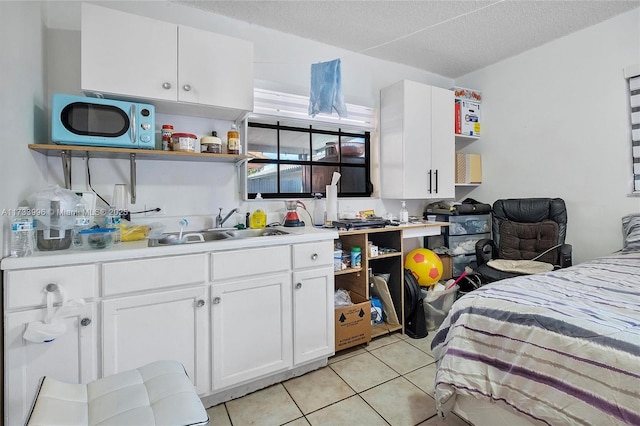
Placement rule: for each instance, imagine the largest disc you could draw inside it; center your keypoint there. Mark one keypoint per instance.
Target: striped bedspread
(559, 348)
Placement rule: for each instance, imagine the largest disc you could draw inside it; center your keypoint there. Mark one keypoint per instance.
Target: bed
(558, 348)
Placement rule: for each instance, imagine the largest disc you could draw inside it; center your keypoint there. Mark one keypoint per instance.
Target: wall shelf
(466, 138)
(66, 152)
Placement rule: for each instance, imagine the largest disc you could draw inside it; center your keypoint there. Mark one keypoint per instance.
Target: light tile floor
(388, 382)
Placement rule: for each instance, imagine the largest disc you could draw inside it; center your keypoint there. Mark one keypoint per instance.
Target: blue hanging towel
(326, 89)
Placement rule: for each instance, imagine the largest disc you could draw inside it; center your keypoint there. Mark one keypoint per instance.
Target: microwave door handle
(133, 124)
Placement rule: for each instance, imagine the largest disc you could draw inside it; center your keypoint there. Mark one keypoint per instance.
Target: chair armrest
(565, 255)
(485, 251)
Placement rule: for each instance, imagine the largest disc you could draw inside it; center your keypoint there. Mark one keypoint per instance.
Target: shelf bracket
(66, 168)
(132, 176)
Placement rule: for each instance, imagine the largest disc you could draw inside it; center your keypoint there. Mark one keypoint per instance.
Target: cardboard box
(447, 267)
(467, 118)
(353, 323)
(468, 168)
(468, 94)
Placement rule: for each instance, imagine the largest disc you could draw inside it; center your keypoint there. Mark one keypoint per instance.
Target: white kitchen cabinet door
(251, 329)
(127, 54)
(313, 315)
(173, 325)
(417, 141)
(214, 69)
(72, 358)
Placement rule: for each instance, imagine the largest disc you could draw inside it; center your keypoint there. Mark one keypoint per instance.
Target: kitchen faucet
(220, 221)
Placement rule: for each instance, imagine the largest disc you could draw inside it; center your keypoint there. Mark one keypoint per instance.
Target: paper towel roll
(332, 204)
(53, 325)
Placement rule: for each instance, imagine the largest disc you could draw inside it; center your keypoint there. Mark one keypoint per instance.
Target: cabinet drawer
(149, 274)
(312, 254)
(465, 243)
(469, 224)
(248, 262)
(27, 288)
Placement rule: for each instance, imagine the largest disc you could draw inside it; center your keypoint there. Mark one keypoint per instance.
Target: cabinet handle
(85, 322)
(314, 256)
(200, 303)
(51, 287)
(216, 300)
(430, 187)
(298, 286)
(166, 85)
(436, 173)
(186, 87)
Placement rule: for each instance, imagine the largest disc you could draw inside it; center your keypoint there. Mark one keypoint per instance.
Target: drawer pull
(216, 300)
(314, 256)
(200, 303)
(298, 286)
(166, 85)
(85, 322)
(186, 87)
(51, 287)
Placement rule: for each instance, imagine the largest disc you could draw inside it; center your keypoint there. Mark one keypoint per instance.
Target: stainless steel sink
(249, 233)
(173, 238)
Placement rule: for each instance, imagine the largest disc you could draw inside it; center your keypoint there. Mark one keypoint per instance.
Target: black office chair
(525, 229)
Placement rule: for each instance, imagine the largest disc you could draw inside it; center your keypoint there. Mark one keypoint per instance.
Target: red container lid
(167, 126)
(184, 135)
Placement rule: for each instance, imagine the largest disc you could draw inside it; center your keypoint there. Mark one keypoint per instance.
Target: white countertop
(140, 249)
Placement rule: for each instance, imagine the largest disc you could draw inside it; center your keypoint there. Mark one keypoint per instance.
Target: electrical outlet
(162, 212)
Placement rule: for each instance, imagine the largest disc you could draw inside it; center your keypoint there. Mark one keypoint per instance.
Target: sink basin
(249, 233)
(173, 238)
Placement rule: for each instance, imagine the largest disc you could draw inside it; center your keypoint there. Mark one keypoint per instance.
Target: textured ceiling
(449, 37)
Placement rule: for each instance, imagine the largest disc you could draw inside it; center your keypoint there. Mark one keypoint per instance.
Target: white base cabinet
(172, 324)
(72, 357)
(251, 329)
(236, 319)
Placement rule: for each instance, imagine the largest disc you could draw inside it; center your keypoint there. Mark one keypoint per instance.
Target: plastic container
(97, 238)
(437, 305)
(233, 140)
(403, 217)
(211, 144)
(356, 257)
(112, 220)
(22, 236)
(185, 142)
(319, 210)
(258, 219)
(167, 132)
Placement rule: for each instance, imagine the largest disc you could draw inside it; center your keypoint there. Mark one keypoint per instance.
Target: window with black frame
(296, 162)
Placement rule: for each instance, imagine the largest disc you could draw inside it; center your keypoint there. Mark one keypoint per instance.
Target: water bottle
(404, 214)
(83, 221)
(22, 235)
(112, 220)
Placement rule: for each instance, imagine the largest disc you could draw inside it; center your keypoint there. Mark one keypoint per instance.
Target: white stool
(159, 393)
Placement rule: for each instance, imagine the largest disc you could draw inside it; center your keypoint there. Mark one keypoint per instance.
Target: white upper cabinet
(178, 69)
(417, 146)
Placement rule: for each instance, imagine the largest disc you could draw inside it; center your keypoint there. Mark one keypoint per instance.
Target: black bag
(415, 323)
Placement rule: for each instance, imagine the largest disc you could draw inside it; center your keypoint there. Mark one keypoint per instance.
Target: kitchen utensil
(291, 218)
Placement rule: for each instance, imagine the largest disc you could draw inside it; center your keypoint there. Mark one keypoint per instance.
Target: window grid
(288, 167)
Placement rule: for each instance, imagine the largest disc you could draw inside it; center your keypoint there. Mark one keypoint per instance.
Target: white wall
(555, 124)
(282, 62)
(22, 106)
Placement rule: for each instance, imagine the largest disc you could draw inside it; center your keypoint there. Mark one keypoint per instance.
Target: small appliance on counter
(291, 218)
(55, 216)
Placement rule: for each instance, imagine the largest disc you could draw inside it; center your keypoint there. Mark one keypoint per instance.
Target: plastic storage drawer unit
(469, 224)
(465, 244)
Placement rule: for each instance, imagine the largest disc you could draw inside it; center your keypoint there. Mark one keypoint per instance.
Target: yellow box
(468, 168)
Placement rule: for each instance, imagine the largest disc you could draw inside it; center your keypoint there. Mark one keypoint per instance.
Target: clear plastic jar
(185, 142)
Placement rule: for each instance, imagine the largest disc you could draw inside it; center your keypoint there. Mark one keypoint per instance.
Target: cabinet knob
(314, 256)
(200, 303)
(166, 85)
(216, 300)
(85, 322)
(298, 286)
(51, 287)
(186, 87)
